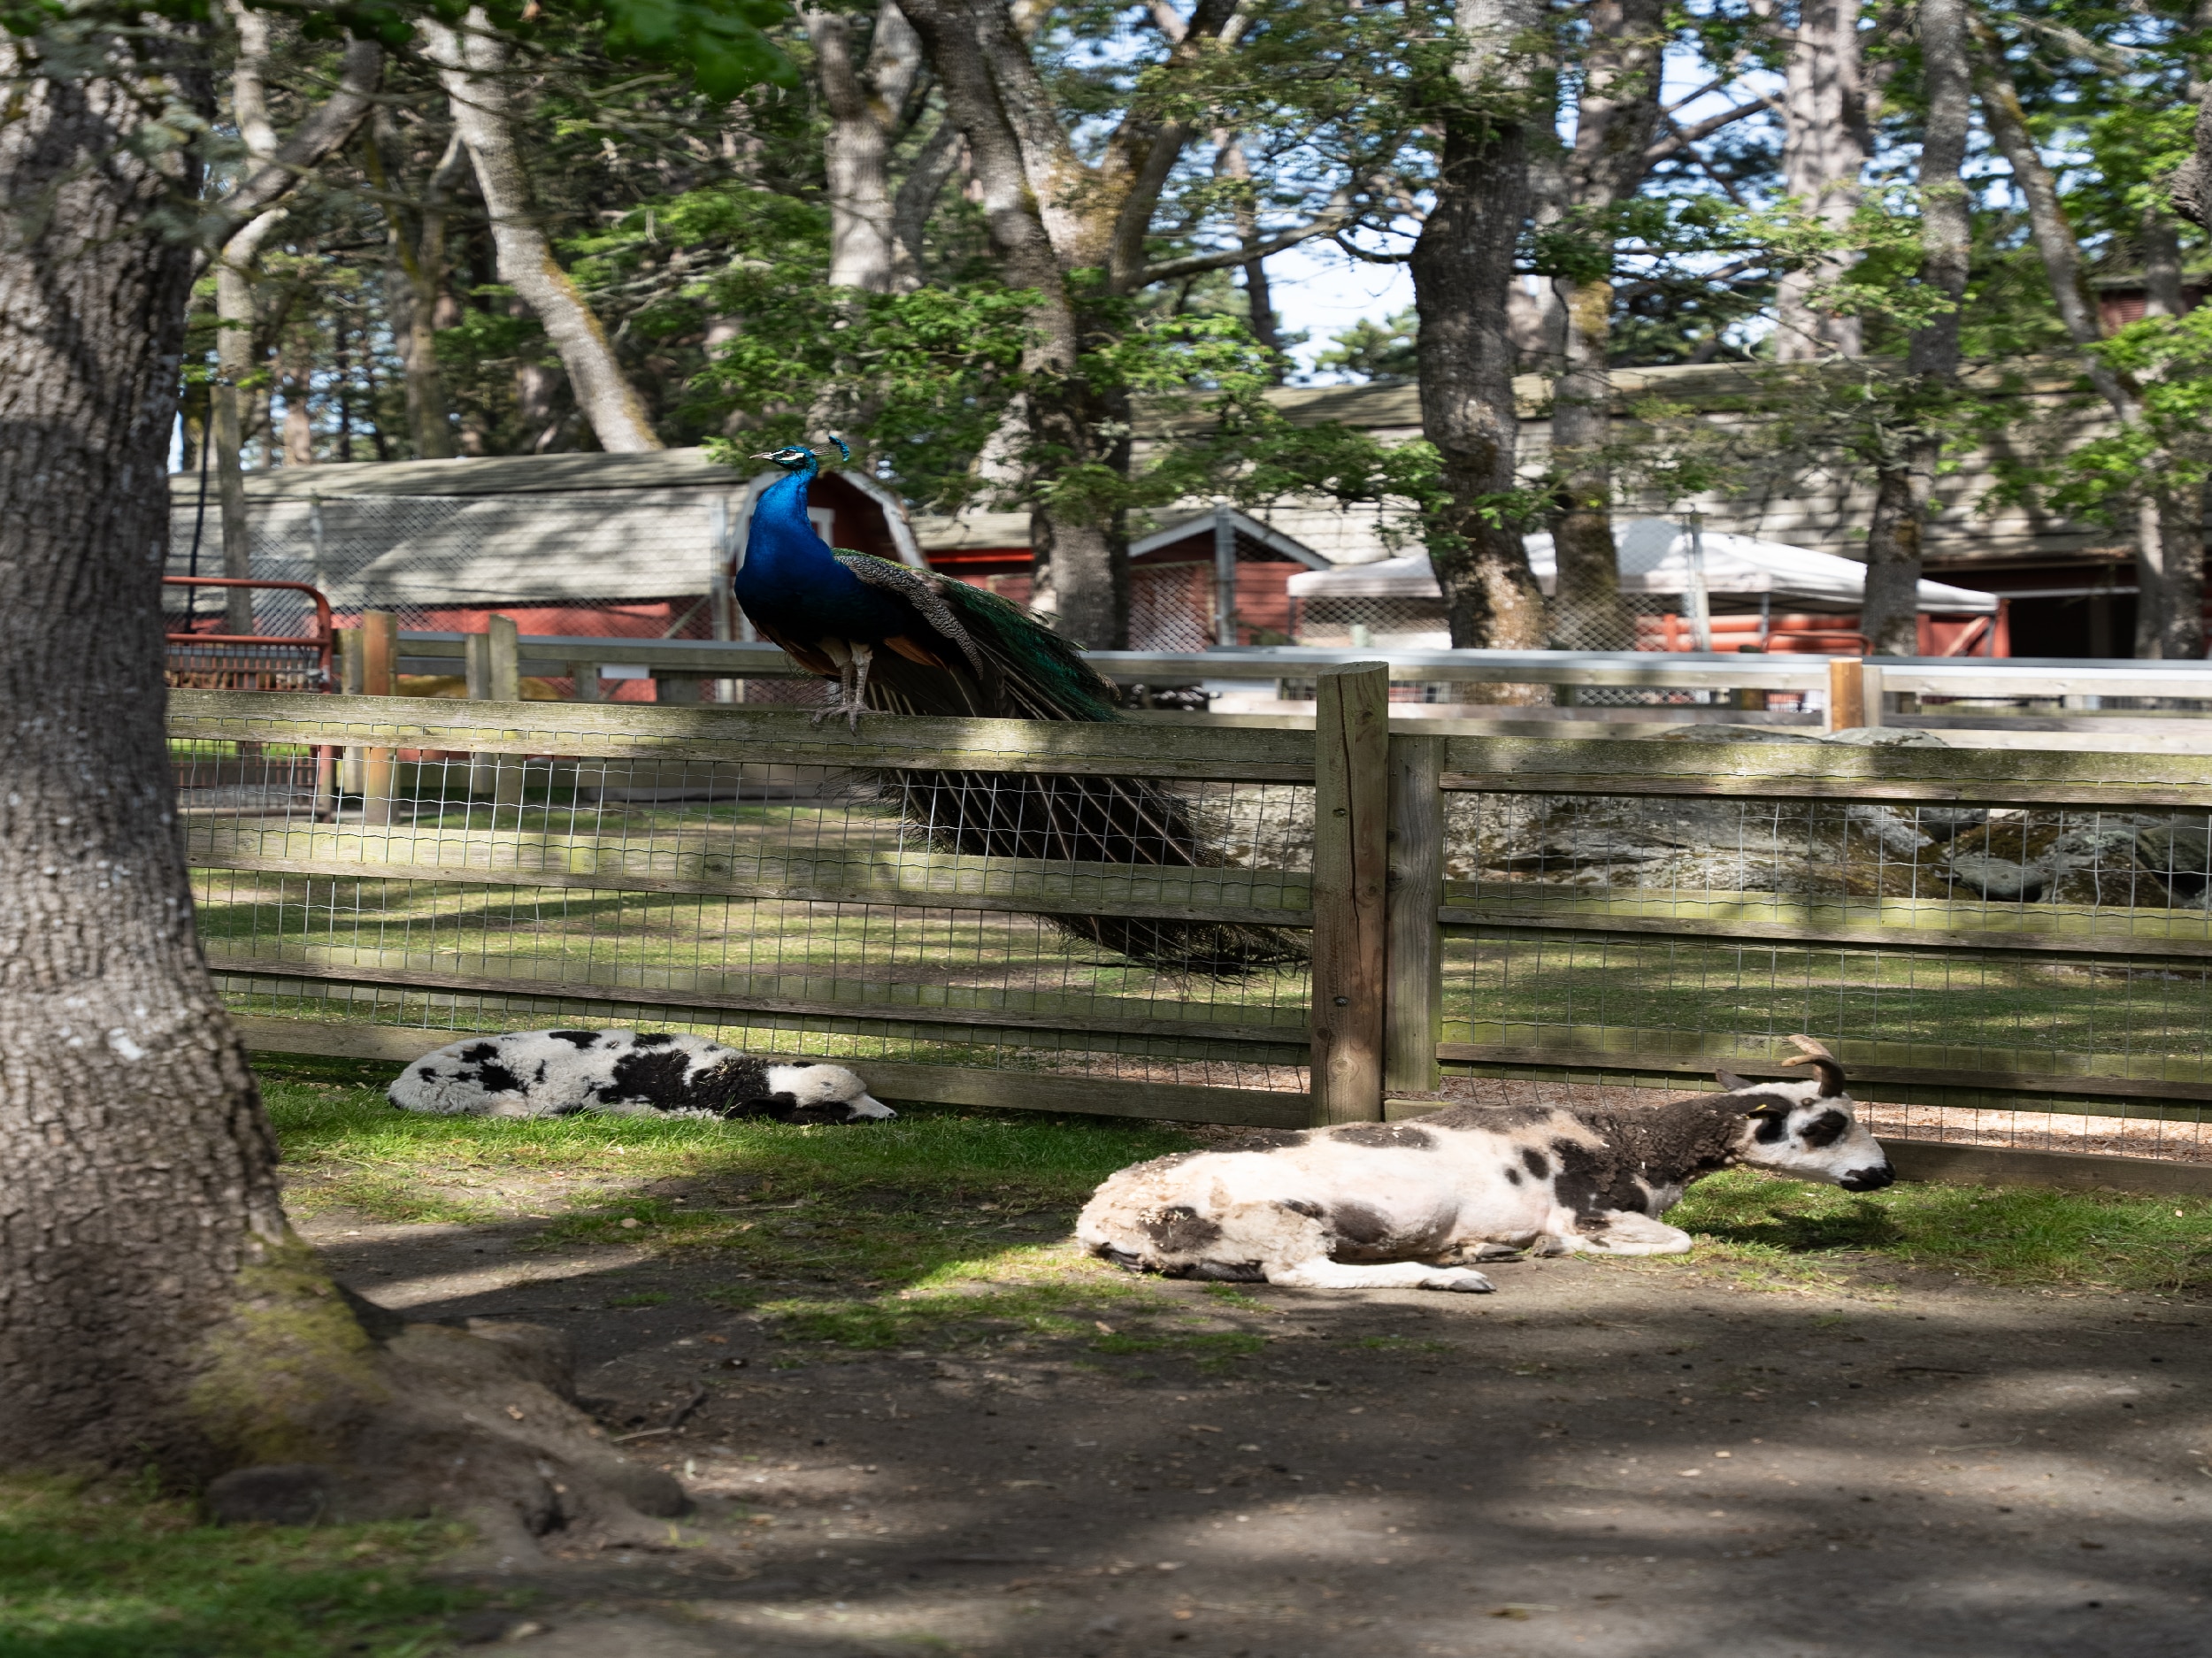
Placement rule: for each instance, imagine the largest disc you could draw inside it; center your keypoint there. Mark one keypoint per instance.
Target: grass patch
(2014, 1235)
(948, 1227)
(89, 1573)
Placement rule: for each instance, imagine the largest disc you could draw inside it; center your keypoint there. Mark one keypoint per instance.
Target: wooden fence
(1438, 948)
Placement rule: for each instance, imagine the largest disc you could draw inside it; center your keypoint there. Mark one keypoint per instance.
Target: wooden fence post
(379, 673)
(1855, 693)
(502, 680)
(1413, 991)
(351, 760)
(1351, 817)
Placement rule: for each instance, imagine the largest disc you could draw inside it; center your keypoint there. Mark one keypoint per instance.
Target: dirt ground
(1602, 1458)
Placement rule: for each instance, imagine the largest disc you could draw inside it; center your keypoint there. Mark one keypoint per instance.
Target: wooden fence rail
(1390, 1006)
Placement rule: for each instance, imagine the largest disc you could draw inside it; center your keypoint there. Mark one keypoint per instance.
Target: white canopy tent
(1654, 558)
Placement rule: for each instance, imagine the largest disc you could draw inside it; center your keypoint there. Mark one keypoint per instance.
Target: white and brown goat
(1408, 1205)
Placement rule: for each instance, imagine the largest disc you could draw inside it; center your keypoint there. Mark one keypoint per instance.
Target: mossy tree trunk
(140, 1177)
(155, 1308)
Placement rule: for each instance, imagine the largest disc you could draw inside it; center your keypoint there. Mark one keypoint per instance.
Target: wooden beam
(741, 733)
(896, 1081)
(1067, 896)
(1413, 1005)
(2067, 1171)
(1792, 771)
(1849, 704)
(1631, 1053)
(1351, 817)
(2045, 946)
(870, 1004)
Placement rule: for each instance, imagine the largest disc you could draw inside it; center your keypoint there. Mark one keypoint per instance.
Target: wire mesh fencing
(1993, 971)
(781, 890)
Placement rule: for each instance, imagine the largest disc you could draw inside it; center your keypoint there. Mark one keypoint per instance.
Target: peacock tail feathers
(1029, 672)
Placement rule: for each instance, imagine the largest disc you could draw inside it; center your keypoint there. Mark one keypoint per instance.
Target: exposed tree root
(478, 1423)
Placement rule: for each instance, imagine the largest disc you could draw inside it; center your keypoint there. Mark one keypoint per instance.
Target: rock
(1738, 733)
(273, 1494)
(1941, 823)
(1882, 737)
(2002, 879)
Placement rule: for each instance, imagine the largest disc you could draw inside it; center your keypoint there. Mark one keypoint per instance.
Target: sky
(1319, 290)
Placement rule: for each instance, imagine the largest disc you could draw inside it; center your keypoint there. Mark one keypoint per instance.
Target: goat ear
(1770, 1108)
(1730, 1080)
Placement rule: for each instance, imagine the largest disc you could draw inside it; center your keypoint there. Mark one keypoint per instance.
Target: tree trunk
(2169, 578)
(916, 203)
(1905, 480)
(1824, 152)
(865, 105)
(1615, 118)
(156, 1311)
(1084, 560)
(299, 415)
(1461, 266)
(237, 359)
(414, 279)
(1259, 302)
(142, 1178)
(471, 62)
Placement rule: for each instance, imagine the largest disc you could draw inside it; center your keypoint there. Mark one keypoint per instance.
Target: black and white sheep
(1408, 1205)
(558, 1073)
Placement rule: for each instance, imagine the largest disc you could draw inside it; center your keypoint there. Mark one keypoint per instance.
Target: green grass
(2015, 1235)
(91, 1573)
(944, 1231)
(928, 1213)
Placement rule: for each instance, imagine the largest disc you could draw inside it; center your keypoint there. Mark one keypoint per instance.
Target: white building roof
(1654, 557)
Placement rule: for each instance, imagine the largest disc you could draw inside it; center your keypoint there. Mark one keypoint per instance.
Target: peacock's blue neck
(781, 536)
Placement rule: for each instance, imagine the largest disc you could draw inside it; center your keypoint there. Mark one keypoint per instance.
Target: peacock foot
(852, 711)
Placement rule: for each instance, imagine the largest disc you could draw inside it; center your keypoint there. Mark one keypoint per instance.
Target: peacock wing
(920, 590)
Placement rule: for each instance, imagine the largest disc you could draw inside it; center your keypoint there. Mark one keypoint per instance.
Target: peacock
(900, 640)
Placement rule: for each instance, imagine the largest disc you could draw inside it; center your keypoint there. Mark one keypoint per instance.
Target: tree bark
(237, 359)
(1461, 264)
(1824, 152)
(916, 202)
(155, 1309)
(864, 103)
(414, 279)
(1083, 560)
(1905, 479)
(2169, 563)
(1051, 216)
(299, 415)
(141, 1175)
(1615, 118)
(473, 63)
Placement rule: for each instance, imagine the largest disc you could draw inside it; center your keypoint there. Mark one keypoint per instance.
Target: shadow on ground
(1615, 1458)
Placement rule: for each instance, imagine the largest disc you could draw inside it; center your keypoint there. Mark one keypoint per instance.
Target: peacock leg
(847, 697)
(864, 659)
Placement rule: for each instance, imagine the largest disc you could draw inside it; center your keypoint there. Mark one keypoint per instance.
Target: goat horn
(1808, 1052)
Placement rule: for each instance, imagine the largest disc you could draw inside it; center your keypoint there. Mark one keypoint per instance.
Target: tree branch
(1679, 137)
(322, 134)
(1168, 269)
